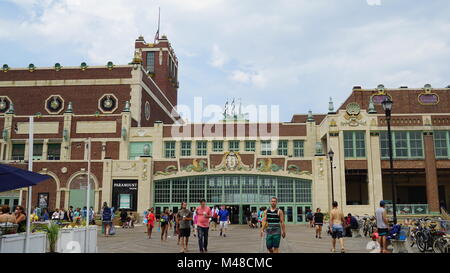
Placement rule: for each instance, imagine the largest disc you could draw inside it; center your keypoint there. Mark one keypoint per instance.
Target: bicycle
(369, 226)
(425, 237)
(442, 244)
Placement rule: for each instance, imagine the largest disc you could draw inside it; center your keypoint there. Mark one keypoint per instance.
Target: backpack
(354, 223)
(106, 215)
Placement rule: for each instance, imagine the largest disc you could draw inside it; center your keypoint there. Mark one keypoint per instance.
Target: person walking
(123, 218)
(106, 218)
(215, 218)
(224, 220)
(382, 226)
(164, 223)
(77, 216)
(203, 216)
(150, 222)
(69, 213)
(184, 218)
(309, 217)
(62, 215)
(274, 226)
(260, 216)
(337, 228)
(318, 223)
(91, 216)
(254, 219)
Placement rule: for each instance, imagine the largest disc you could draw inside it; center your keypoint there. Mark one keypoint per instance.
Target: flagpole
(30, 168)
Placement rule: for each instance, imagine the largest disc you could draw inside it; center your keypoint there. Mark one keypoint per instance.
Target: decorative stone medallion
(353, 109)
(232, 161)
(353, 115)
(108, 103)
(54, 104)
(5, 102)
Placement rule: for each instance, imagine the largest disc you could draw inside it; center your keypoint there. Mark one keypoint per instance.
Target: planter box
(15, 243)
(69, 241)
(74, 240)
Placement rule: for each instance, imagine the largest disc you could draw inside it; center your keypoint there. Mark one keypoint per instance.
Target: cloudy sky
(291, 53)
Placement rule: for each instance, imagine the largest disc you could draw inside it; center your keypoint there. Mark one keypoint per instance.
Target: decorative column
(125, 132)
(431, 173)
(96, 200)
(66, 198)
(45, 150)
(65, 145)
(107, 181)
(374, 171)
(144, 185)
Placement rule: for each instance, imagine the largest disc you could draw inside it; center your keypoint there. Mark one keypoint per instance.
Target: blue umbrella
(14, 178)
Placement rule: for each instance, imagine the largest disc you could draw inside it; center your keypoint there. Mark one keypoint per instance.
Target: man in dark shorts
(336, 225)
(273, 224)
(184, 218)
(318, 223)
(382, 226)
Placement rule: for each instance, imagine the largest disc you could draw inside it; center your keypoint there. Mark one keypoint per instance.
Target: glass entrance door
(300, 214)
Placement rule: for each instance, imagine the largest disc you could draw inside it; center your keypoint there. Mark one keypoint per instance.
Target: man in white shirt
(55, 215)
(382, 226)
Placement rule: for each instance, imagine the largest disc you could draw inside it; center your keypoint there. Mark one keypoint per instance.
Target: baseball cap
(382, 203)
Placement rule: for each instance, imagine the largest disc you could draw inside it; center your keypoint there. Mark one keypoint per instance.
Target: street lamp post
(387, 106)
(330, 155)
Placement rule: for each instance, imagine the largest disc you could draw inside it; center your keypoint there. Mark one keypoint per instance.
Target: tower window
(150, 62)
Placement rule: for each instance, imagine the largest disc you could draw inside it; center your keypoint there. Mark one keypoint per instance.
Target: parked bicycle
(442, 244)
(369, 225)
(426, 235)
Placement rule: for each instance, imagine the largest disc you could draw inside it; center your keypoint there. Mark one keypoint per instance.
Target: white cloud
(252, 78)
(218, 57)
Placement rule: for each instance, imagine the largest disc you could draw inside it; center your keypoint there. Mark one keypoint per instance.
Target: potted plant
(52, 235)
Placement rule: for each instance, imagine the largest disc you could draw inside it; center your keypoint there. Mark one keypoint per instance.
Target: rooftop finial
(331, 106)
(371, 109)
(127, 107)
(69, 108)
(310, 117)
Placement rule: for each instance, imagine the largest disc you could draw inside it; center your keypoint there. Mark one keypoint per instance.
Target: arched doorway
(78, 191)
(44, 195)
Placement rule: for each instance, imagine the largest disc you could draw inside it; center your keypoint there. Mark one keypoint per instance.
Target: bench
(400, 246)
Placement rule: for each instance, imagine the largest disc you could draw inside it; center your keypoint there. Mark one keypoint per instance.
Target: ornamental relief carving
(125, 168)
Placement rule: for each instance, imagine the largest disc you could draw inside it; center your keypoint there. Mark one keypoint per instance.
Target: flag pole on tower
(159, 23)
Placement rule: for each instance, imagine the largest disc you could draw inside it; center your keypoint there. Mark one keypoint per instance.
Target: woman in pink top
(203, 214)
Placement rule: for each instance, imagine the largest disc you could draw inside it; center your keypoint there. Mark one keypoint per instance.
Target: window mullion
(448, 143)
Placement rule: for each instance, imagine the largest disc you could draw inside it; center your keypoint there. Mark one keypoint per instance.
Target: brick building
(144, 156)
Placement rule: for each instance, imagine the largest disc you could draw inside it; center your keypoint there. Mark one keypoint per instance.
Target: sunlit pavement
(240, 239)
